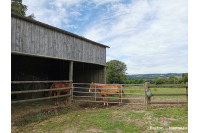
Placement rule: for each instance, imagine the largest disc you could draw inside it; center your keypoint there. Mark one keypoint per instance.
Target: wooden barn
(43, 52)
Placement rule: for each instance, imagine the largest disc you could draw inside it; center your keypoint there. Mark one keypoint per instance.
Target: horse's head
(92, 86)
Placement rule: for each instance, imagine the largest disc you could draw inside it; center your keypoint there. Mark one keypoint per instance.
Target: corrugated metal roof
(56, 29)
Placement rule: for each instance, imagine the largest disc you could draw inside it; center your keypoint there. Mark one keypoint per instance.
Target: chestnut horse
(58, 92)
(105, 90)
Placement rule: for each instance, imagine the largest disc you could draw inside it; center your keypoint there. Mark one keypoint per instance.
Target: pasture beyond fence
(148, 94)
(134, 93)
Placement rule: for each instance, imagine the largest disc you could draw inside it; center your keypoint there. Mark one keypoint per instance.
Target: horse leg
(103, 100)
(106, 100)
(58, 94)
(54, 94)
(65, 100)
(120, 100)
(104, 103)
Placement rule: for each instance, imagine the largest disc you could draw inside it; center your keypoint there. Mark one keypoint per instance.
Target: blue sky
(149, 36)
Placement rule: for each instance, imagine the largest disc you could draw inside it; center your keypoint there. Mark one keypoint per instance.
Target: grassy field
(104, 121)
(91, 117)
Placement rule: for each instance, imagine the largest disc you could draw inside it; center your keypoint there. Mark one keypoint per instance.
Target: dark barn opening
(31, 68)
(43, 68)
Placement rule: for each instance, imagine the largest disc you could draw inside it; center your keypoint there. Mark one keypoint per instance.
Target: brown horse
(105, 90)
(58, 92)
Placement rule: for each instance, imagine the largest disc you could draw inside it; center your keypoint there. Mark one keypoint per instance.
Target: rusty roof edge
(55, 28)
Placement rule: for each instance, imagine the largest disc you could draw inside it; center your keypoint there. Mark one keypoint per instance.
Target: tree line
(173, 80)
(116, 74)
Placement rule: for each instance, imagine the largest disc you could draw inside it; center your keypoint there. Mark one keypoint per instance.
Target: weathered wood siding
(37, 39)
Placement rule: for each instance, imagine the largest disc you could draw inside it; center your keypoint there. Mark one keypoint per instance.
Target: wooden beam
(167, 86)
(168, 102)
(28, 100)
(180, 94)
(53, 81)
(41, 90)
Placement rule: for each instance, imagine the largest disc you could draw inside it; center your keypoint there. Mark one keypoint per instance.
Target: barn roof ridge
(55, 28)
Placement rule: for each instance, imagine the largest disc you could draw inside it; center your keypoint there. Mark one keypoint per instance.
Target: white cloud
(149, 36)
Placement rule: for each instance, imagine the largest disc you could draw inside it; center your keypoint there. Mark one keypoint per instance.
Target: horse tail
(123, 93)
(121, 88)
(50, 92)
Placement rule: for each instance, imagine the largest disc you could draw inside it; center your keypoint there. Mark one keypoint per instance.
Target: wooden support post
(149, 105)
(187, 91)
(104, 74)
(70, 79)
(70, 92)
(147, 99)
(95, 95)
(71, 71)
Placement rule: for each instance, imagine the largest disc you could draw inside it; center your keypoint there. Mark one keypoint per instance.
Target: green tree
(185, 77)
(18, 8)
(116, 72)
(180, 81)
(160, 81)
(172, 79)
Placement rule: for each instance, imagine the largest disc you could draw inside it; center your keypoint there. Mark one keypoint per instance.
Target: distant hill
(153, 76)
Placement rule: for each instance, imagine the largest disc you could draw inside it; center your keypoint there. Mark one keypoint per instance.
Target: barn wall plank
(37, 40)
(13, 31)
(41, 41)
(50, 43)
(17, 35)
(32, 38)
(65, 47)
(46, 41)
(29, 37)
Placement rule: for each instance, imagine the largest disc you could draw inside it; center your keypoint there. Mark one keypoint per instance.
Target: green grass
(168, 91)
(110, 121)
(103, 120)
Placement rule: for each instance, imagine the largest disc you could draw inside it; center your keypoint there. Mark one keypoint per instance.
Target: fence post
(187, 91)
(147, 99)
(70, 92)
(95, 94)
(121, 94)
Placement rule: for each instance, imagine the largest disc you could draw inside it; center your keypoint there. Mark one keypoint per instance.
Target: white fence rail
(134, 94)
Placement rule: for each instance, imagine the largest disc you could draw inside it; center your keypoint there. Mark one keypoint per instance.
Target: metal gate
(134, 94)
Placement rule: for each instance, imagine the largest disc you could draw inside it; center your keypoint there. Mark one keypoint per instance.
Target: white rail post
(121, 93)
(95, 93)
(144, 93)
(147, 99)
(72, 92)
